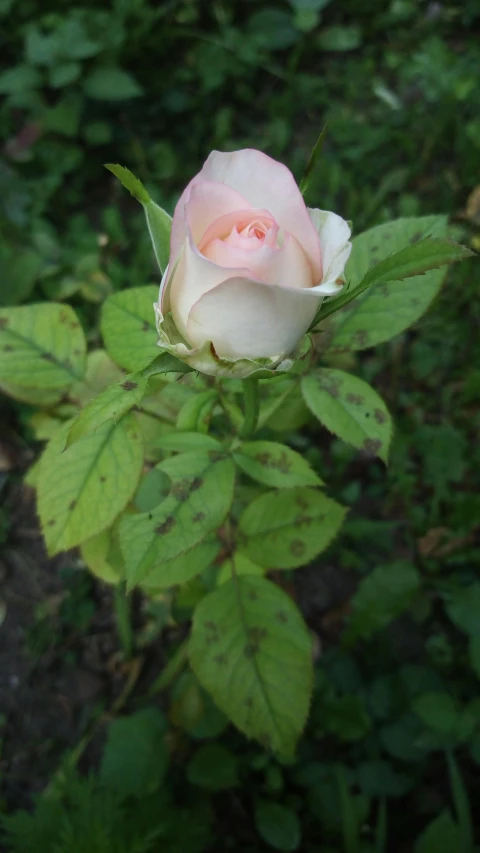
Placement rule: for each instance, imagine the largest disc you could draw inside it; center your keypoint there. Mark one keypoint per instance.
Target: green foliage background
(394, 737)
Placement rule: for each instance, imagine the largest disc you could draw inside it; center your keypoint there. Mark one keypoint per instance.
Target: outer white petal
(194, 276)
(164, 293)
(206, 360)
(268, 184)
(334, 234)
(247, 318)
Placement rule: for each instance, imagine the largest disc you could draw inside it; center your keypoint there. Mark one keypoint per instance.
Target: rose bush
(162, 482)
(249, 266)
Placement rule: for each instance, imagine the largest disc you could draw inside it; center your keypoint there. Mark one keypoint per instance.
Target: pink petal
(267, 184)
(287, 266)
(224, 225)
(206, 202)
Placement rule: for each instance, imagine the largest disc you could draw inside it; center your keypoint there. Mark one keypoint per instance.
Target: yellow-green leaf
(43, 397)
(183, 568)
(182, 442)
(238, 564)
(275, 465)
(115, 401)
(349, 408)
(414, 260)
(129, 181)
(111, 404)
(385, 309)
(100, 372)
(95, 553)
(159, 222)
(81, 490)
(288, 528)
(41, 346)
(200, 496)
(196, 412)
(251, 650)
(128, 327)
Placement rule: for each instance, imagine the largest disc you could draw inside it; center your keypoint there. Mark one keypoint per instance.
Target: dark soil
(61, 669)
(52, 673)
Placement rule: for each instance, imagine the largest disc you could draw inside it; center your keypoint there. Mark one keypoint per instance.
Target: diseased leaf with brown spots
(41, 346)
(118, 399)
(181, 442)
(251, 650)
(184, 567)
(286, 529)
(385, 310)
(82, 489)
(350, 408)
(111, 404)
(200, 497)
(128, 327)
(275, 465)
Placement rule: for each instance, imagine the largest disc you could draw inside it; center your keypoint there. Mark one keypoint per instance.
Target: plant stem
(98, 720)
(122, 616)
(461, 802)
(381, 833)
(171, 670)
(251, 407)
(349, 819)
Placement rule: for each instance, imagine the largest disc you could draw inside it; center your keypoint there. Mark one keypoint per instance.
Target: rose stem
(251, 406)
(122, 616)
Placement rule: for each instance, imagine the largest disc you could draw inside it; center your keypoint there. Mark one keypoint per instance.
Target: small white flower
(249, 266)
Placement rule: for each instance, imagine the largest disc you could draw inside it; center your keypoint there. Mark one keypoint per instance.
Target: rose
(249, 266)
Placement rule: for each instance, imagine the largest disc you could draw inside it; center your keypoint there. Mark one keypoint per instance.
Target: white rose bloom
(249, 266)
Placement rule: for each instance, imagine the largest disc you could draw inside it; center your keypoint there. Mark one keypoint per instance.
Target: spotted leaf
(128, 327)
(275, 465)
(286, 529)
(41, 346)
(81, 490)
(385, 309)
(200, 496)
(349, 408)
(251, 650)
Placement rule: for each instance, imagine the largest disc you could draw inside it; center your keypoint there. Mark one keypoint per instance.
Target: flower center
(256, 229)
(246, 230)
(252, 235)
